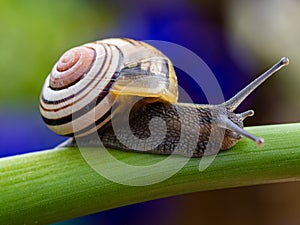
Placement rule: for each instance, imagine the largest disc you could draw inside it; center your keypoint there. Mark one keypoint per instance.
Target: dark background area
(237, 39)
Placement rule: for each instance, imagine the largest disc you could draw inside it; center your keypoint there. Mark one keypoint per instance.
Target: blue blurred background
(237, 39)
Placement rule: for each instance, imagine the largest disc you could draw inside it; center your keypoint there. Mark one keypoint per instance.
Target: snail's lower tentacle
(246, 114)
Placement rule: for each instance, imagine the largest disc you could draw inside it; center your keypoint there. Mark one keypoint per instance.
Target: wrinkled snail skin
(91, 87)
(199, 129)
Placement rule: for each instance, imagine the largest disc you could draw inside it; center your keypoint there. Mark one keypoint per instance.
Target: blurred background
(238, 39)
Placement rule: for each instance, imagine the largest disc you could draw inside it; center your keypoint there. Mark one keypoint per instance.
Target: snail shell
(79, 93)
(83, 84)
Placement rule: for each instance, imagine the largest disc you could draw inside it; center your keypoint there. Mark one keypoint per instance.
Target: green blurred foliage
(33, 36)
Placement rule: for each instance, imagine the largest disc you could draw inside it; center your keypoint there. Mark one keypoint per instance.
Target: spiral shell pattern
(75, 97)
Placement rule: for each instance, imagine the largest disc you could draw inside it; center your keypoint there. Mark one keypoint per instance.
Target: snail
(79, 100)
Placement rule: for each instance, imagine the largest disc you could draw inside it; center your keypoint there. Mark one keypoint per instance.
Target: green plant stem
(55, 185)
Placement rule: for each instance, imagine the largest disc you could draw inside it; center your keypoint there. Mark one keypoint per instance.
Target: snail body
(91, 87)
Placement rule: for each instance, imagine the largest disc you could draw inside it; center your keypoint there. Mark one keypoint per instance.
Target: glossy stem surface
(56, 185)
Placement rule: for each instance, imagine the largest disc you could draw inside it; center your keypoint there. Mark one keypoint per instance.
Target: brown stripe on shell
(91, 126)
(71, 67)
(98, 73)
(133, 42)
(153, 49)
(68, 118)
(51, 102)
(94, 102)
